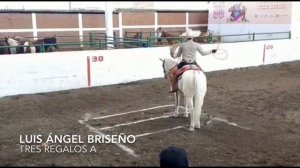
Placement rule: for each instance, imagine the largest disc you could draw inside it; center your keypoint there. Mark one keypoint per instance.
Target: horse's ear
(161, 59)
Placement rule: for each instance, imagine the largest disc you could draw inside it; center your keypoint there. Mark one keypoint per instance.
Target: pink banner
(250, 12)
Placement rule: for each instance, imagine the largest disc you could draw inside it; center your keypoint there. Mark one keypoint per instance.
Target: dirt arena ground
(263, 101)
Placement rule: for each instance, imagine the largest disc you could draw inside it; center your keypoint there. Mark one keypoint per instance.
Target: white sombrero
(191, 33)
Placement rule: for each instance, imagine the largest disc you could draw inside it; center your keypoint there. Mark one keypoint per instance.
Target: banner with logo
(228, 18)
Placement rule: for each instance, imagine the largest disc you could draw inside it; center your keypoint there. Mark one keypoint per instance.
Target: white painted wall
(237, 56)
(282, 51)
(125, 65)
(48, 72)
(35, 73)
(295, 27)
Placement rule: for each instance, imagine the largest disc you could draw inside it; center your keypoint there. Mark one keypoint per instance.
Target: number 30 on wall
(97, 58)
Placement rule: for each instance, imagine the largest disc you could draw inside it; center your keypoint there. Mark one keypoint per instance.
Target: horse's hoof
(197, 126)
(191, 129)
(176, 114)
(186, 115)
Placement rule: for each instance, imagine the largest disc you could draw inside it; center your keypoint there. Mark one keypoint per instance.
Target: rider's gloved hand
(214, 50)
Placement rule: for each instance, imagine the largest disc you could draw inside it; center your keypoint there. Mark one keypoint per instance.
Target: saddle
(186, 68)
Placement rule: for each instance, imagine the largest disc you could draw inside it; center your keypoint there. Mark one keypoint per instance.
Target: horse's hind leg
(177, 104)
(198, 110)
(198, 116)
(186, 114)
(189, 102)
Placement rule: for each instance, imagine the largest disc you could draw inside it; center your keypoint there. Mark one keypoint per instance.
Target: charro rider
(158, 35)
(188, 49)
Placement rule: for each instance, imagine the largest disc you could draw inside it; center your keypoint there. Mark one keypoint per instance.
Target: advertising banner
(227, 18)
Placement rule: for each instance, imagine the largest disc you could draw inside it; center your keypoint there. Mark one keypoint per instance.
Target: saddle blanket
(186, 68)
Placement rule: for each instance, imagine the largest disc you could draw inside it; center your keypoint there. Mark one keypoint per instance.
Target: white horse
(26, 42)
(177, 96)
(173, 52)
(15, 50)
(12, 42)
(193, 85)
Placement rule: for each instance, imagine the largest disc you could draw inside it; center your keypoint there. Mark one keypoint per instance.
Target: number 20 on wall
(97, 58)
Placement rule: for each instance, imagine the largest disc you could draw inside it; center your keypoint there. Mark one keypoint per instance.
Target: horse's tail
(200, 91)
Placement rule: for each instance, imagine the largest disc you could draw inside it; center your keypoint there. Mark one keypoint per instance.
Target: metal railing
(117, 43)
(146, 34)
(123, 43)
(249, 37)
(101, 44)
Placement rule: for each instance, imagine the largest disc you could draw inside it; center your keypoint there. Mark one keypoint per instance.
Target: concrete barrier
(48, 72)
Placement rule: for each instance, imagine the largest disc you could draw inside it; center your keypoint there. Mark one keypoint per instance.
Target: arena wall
(56, 71)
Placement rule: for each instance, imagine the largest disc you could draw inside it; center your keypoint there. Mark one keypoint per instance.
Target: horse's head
(167, 64)
(164, 68)
(11, 41)
(51, 40)
(8, 38)
(159, 29)
(174, 48)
